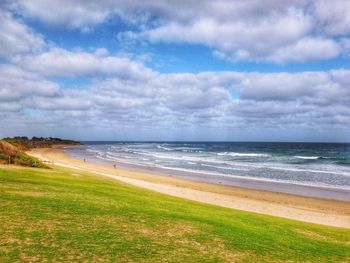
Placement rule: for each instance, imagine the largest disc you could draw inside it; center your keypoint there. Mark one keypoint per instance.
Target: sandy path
(326, 212)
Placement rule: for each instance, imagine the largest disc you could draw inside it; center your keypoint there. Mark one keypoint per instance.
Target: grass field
(62, 215)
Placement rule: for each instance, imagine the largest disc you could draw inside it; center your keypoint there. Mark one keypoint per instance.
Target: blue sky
(176, 70)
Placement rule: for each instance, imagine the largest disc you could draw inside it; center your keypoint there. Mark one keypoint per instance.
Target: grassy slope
(60, 215)
(17, 157)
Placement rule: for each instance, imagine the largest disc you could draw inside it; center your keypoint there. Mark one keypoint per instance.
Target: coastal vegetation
(12, 150)
(10, 154)
(61, 215)
(24, 143)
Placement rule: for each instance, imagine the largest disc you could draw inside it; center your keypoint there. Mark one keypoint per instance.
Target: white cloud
(307, 49)
(60, 62)
(333, 17)
(16, 37)
(238, 39)
(120, 84)
(276, 31)
(72, 14)
(124, 93)
(195, 98)
(221, 99)
(17, 85)
(281, 86)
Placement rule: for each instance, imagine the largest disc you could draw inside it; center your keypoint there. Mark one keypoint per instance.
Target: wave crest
(235, 154)
(307, 157)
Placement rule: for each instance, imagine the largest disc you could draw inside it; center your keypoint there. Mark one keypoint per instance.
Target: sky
(224, 70)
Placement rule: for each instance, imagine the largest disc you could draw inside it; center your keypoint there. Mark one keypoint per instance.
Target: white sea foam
(119, 160)
(307, 157)
(215, 162)
(343, 173)
(251, 165)
(196, 149)
(235, 154)
(225, 167)
(275, 166)
(254, 178)
(91, 150)
(175, 157)
(251, 178)
(164, 148)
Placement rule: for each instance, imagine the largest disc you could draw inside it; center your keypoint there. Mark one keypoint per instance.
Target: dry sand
(320, 211)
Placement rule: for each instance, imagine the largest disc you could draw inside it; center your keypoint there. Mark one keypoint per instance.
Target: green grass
(26, 160)
(62, 215)
(22, 159)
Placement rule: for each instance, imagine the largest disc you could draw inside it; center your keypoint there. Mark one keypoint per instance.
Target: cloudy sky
(270, 70)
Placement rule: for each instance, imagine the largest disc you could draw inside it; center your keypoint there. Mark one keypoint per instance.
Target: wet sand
(307, 209)
(319, 191)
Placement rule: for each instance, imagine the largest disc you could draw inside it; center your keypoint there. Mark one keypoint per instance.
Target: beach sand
(307, 209)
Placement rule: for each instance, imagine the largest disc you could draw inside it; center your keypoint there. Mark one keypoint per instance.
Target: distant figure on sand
(115, 166)
(84, 160)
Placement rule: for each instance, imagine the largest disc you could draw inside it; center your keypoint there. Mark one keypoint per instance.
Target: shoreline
(293, 188)
(301, 208)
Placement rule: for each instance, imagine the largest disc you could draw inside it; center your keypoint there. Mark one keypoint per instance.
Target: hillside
(10, 154)
(25, 143)
(12, 149)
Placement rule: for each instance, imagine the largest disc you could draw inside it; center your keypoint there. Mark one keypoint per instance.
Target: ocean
(271, 166)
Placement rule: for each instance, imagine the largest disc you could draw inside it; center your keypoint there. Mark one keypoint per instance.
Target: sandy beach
(314, 210)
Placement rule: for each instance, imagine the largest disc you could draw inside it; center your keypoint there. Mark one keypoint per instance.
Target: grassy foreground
(66, 215)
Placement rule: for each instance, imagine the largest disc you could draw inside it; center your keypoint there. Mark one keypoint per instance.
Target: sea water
(309, 164)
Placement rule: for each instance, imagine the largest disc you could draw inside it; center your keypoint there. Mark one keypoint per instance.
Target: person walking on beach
(115, 166)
